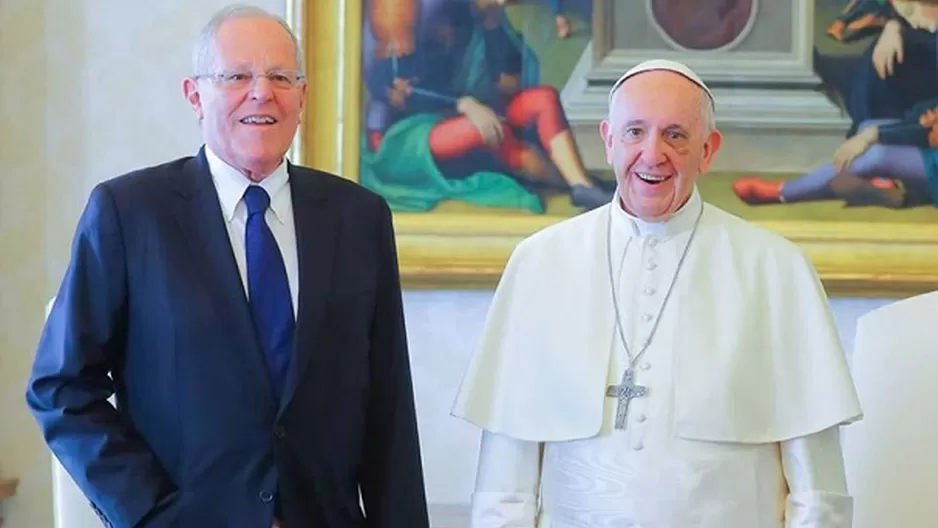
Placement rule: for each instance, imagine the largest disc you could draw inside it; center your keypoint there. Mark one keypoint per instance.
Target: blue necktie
(268, 289)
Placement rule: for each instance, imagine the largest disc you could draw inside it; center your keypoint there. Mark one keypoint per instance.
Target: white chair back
(890, 456)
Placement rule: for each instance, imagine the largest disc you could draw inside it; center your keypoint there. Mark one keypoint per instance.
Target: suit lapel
(200, 219)
(317, 229)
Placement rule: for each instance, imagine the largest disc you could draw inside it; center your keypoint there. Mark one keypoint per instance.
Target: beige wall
(88, 89)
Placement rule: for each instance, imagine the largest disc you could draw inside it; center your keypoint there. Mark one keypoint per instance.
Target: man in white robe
(733, 419)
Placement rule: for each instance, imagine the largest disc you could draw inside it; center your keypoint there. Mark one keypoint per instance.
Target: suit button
(266, 496)
(280, 432)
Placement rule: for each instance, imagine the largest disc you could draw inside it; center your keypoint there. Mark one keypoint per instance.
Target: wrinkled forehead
(658, 98)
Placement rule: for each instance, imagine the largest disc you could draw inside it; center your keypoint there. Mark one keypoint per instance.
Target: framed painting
(478, 121)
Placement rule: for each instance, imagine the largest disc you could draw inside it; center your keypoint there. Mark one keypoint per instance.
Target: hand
(929, 118)
(854, 148)
(399, 92)
(484, 119)
(889, 49)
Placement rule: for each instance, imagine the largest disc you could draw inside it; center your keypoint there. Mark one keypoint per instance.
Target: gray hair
(709, 113)
(203, 54)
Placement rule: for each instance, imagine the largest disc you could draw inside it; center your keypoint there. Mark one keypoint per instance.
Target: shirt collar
(231, 184)
(682, 220)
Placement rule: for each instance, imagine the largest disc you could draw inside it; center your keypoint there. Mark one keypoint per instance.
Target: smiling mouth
(652, 179)
(258, 120)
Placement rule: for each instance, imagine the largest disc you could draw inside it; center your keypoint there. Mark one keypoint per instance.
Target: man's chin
(260, 166)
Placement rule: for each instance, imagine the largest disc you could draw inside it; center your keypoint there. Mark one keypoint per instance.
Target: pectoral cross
(625, 392)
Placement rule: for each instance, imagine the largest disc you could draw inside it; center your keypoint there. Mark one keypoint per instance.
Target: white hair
(709, 113)
(203, 53)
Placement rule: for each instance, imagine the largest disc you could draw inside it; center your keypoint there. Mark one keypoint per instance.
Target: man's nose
(653, 151)
(261, 87)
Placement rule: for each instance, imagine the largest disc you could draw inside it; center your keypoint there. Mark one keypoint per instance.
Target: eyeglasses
(239, 80)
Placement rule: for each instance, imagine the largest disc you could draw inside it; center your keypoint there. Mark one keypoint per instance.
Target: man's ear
(605, 131)
(710, 149)
(303, 90)
(190, 88)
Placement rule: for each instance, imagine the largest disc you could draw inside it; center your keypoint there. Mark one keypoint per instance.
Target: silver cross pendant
(625, 392)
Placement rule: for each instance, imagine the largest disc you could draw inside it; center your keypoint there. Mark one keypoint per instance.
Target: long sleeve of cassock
(817, 483)
(506, 483)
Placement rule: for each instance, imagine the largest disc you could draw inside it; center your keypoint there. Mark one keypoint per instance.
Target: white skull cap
(662, 64)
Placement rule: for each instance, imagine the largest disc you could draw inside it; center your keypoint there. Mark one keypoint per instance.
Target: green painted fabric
(404, 172)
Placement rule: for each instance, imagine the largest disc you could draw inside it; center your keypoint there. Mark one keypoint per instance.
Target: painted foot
(871, 196)
(875, 192)
(602, 183)
(589, 197)
(563, 27)
(758, 191)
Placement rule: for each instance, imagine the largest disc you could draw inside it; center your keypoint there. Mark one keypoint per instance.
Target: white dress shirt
(230, 185)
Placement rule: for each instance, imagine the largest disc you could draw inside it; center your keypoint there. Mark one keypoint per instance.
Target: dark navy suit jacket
(152, 309)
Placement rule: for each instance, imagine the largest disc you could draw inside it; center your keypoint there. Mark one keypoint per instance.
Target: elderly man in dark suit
(246, 312)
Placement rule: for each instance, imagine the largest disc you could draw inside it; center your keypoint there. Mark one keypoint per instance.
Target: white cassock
(746, 377)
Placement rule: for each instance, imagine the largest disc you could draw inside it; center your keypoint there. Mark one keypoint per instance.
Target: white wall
(91, 88)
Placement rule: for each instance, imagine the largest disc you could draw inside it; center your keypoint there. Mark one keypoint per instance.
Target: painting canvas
(877, 64)
(477, 120)
(462, 111)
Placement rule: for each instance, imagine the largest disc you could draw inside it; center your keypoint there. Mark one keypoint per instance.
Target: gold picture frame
(469, 251)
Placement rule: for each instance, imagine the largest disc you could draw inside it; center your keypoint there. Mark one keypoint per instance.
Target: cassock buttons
(280, 432)
(646, 318)
(645, 366)
(266, 496)
(640, 418)
(649, 291)
(651, 265)
(652, 242)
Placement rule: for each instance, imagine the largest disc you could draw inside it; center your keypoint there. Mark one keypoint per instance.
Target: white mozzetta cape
(757, 358)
